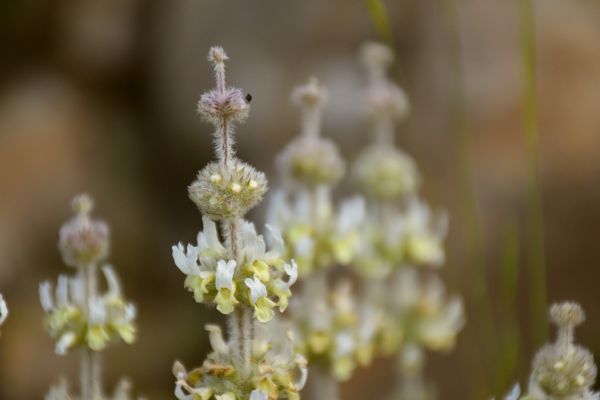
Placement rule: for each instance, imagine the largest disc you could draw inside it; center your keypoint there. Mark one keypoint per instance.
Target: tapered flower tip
(217, 55)
(376, 56)
(567, 314)
(310, 94)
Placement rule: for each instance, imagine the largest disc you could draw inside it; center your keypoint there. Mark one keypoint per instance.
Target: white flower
(97, 311)
(351, 214)
(62, 291)
(46, 296)
(276, 242)
(215, 336)
(130, 312)
(258, 395)
(64, 343)
(186, 262)
(208, 238)
(114, 287)
(225, 272)
(301, 363)
(257, 289)
(514, 393)
(3, 310)
(292, 271)
(305, 247)
(253, 245)
(344, 344)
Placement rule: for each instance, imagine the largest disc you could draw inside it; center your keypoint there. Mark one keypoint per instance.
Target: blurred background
(99, 96)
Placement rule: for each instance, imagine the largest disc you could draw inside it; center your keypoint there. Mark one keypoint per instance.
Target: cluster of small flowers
(333, 330)
(277, 370)
(337, 331)
(238, 274)
(316, 235)
(261, 280)
(334, 240)
(79, 316)
(420, 314)
(561, 370)
(411, 236)
(402, 239)
(109, 318)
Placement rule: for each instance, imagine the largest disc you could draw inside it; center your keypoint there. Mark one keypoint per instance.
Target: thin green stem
(90, 362)
(380, 19)
(536, 260)
(478, 290)
(509, 349)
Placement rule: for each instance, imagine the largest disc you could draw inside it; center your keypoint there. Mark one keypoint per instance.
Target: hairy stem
(90, 362)
(241, 321)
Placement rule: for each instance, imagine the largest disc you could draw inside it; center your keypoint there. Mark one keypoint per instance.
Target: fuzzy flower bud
(215, 106)
(384, 98)
(567, 314)
(386, 173)
(311, 162)
(82, 240)
(224, 196)
(563, 370)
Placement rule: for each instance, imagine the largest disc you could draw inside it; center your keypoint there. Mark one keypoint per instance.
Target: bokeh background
(99, 96)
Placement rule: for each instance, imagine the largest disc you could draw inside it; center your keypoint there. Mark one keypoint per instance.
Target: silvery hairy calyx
(244, 275)
(561, 370)
(80, 317)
